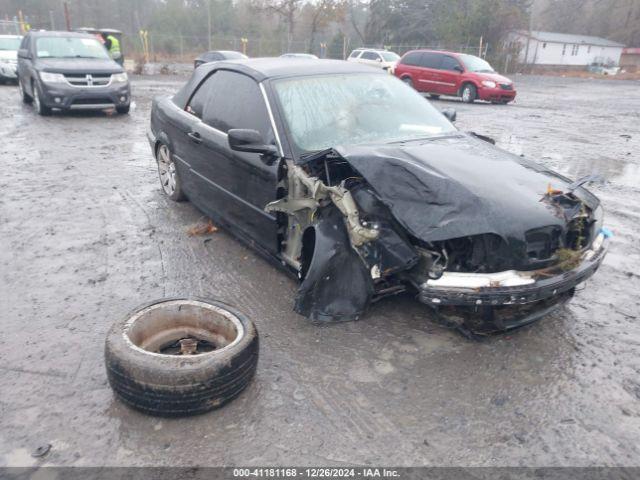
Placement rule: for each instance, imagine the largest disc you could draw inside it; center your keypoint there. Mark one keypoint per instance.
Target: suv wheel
(408, 81)
(37, 102)
(25, 98)
(469, 93)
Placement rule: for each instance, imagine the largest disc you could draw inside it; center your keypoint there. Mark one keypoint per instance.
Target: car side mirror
(379, 60)
(458, 69)
(24, 53)
(450, 113)
(245, 140)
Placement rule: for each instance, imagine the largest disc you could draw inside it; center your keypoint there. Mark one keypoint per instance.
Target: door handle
(195, 137)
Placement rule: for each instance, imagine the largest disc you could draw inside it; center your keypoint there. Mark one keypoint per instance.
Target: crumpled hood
(78, 65)
(460, 186)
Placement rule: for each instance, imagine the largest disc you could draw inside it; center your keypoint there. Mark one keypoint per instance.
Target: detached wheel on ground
(23, 95)
(169, 176)
(469, 93)
(37, 102)
(181, 356)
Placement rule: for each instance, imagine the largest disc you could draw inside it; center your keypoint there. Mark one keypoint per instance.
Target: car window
(449, 63)
(199, 98)
(229, 100)
(413, 58)
(70, 47)
(431, 60)
(370, 56)
(323, 111)
(355, 53)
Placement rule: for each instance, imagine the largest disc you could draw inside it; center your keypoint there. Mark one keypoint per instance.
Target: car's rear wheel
(469, 93)
(26, 98)
(168, 173)
(434, 96)
(37, 102)
(123, 110)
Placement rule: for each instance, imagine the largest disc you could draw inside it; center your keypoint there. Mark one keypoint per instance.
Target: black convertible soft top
(262, 68)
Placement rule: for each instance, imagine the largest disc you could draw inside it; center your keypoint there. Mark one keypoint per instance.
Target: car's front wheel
(37, 102)
(469, 93)
(26, 98)
(408, 81)
(168, 173)
(123, 110)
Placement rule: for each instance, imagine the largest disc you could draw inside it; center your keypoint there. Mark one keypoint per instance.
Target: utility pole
(209, 23)
(67, 17)
(53, 24)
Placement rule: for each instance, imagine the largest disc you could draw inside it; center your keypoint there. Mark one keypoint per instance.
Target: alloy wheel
(167, 170)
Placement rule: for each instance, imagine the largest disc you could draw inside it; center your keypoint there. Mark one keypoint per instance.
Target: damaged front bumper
(523, 297)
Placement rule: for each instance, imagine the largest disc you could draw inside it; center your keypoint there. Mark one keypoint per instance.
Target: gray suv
(70, 71)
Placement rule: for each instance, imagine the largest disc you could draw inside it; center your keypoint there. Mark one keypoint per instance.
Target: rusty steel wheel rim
(183, 328)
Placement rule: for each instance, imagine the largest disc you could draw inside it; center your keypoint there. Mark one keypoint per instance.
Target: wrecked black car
(354, 183)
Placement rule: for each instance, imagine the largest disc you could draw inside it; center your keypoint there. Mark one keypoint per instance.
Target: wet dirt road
(86, 236)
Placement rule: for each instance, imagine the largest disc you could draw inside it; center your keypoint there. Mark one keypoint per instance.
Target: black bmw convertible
(358, 186)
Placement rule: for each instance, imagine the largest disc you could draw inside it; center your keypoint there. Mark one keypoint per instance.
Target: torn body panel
(490, 233)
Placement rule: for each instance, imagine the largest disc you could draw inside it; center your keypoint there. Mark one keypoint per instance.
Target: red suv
(458, 74)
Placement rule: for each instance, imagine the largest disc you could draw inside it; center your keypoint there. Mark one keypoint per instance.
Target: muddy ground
(87, 235)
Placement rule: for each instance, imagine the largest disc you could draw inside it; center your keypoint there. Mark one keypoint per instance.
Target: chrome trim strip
(271, 119)
(92, 106)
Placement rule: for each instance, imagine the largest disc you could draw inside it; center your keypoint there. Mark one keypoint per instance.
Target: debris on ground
(41, 451)
(202, 229)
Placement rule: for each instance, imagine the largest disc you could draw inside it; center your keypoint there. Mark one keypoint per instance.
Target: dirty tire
(39, 106)
(179, 385)
(469, 93)
(23, 95)
(170, 181)
(123, 110)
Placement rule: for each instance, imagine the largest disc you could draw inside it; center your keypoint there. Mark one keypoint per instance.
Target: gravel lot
(87, 235)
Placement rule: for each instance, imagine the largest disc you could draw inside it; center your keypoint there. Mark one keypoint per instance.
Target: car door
(234, 186)
(428, 77)
(450, 71)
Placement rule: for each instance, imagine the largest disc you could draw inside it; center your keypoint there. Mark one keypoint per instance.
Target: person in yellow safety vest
(112, 44)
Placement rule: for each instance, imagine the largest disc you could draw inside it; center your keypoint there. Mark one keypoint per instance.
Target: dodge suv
(70, 71)
(455, 74)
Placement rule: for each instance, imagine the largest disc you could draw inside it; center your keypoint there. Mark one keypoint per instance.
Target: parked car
(9, 45)
(216, 56)
(454, 74)
(309, 56)
(376, 58)
(360, 188)
(70, 71)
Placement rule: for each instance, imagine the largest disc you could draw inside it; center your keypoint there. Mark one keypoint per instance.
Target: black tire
(123, 110)
(37, 103)
(469, 93)
(408, 81)
(165, 164)
(434, 96)
(173, 385)
(26, 98)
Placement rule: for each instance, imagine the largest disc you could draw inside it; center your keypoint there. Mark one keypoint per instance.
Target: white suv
(376, 58)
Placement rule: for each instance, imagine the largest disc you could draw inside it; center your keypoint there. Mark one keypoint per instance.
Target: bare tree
(324, 12)
(287, 9)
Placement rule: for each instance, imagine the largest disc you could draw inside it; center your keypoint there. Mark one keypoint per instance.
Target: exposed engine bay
(359, 225)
